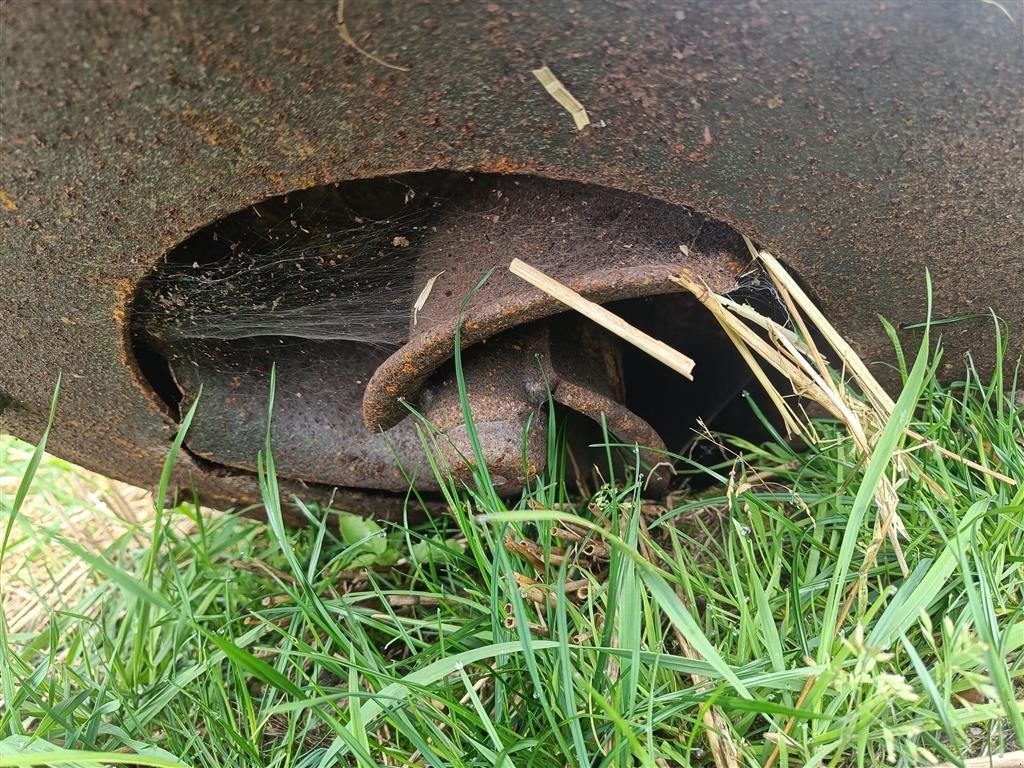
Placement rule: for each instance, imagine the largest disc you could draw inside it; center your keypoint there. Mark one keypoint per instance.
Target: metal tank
(194, 193)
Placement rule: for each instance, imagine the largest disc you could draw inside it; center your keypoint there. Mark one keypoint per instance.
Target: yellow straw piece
(558, 92)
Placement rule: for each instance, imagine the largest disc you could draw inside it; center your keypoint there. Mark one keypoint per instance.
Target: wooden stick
(659, 350)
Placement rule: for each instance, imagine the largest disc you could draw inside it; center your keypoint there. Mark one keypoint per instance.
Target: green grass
(624, 634)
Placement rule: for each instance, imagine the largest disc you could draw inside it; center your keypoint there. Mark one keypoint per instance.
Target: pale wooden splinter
(659, 350)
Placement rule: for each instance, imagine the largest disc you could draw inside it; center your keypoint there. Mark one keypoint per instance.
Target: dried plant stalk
(868, 383)
(560, 94)
(749, 313)
(743, 339)
(1005, 760)
(819, 386)
(659, 350)
(806, 368)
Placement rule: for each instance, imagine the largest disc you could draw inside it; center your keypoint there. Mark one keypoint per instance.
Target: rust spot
(7, 202)
(123, 291)
(503, 165)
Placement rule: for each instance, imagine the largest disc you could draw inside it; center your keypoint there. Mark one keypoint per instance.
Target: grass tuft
(771, 618)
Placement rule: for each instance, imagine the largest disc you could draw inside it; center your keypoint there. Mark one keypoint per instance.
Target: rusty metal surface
(510, 426)
(861, 142)
(317, 433)
(508, 381)
(318, 430)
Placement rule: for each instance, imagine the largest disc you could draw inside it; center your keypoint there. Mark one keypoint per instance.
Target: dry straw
(421, 300)
(659, 350)
(561, 94)
(846, 389)
(834, 377)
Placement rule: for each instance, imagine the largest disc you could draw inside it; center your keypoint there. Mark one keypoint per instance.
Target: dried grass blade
(808, 382)
(868, 383)
(780, 360)
(795, 316)
(835, 401)
(347, 38)
(888, 523)
(1005, 760)
(926, 443)
(749, 313)
(421, 300)
(731, 327)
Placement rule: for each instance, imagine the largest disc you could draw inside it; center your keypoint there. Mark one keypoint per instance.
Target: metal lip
(402, 375)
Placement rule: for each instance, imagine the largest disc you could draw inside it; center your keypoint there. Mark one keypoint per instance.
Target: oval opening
(327, 283)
